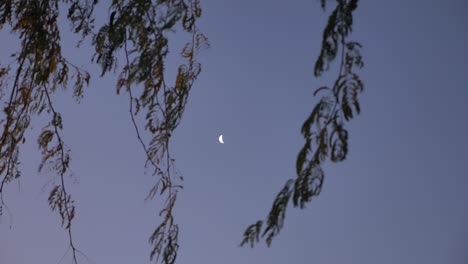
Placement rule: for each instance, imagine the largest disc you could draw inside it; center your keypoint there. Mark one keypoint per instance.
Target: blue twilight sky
(400, 197)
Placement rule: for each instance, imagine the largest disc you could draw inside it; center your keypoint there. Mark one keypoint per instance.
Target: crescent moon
(221, 139)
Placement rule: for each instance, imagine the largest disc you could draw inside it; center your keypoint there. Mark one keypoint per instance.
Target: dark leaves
(339, 26)
(165, 241)
(338, 142)
(346, 91)
(301, 157)
(329, 44)
(60, 201)
(80, 15)
(82, 79)
(307, 185)
(252, 234)
(6, 7)
(45, 138)
(277, 214)
(165, 237)
(105, 43)
(353, 56)
(193, 12)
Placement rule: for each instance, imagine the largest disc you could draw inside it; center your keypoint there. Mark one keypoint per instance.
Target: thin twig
(62, 178)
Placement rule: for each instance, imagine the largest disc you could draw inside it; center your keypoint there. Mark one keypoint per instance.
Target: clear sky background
(400, 197)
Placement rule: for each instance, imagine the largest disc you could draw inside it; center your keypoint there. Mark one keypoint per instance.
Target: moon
(221, 139)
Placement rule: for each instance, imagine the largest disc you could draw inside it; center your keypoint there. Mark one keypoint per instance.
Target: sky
(399, 197)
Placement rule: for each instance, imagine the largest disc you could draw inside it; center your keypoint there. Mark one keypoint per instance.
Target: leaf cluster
(58, 199)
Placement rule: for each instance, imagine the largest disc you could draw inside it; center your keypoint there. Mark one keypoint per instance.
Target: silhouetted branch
(323, 131)
(62, 200)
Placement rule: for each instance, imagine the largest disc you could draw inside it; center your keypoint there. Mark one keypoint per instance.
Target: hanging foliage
(326, 137)
(138, 31)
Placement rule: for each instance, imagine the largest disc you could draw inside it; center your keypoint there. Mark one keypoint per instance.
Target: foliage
(324, 129)
(137, 30)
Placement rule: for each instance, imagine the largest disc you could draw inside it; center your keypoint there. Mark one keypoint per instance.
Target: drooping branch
(40, 70)
(323, 131)
(145, 45)
(59, 198)
(144, 28)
